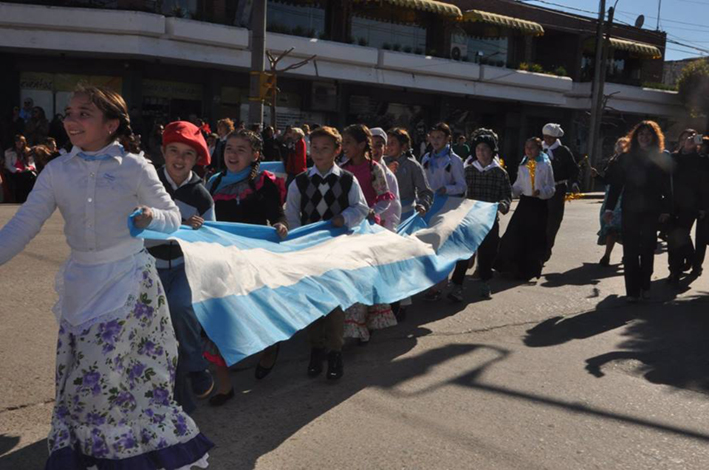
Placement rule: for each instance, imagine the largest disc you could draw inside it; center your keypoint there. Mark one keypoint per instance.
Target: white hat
(553, 130)
(379, 132)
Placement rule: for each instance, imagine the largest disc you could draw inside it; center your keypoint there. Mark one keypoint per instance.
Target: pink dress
(361, 319)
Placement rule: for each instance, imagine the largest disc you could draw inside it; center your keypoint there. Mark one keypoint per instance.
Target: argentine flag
(251, 290)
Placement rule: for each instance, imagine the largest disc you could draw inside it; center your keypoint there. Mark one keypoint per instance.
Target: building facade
(473, 63)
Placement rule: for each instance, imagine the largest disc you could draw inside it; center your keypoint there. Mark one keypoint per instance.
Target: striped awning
(527, 27)
(640, 48)
(430, 6)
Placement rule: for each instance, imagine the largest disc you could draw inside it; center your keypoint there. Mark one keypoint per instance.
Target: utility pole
(659, 9)
(596, 92)
(258, 48)
(599, 104)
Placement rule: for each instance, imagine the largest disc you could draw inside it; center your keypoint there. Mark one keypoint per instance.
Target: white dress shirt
(353, 215)
(543, 180)
(95, 199)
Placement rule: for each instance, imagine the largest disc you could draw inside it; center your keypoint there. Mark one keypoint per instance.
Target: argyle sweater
(316, 205)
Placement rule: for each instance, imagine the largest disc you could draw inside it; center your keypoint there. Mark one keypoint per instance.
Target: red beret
(187, 133)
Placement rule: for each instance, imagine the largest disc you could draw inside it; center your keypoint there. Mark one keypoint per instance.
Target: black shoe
(261, 371)
(202, 383)
(673, 279)
(317, 356)
(220, 398)
(400, 314)
(335, 368)
(605, 261)
(697, 271)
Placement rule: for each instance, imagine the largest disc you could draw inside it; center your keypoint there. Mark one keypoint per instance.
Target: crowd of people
(132, 356)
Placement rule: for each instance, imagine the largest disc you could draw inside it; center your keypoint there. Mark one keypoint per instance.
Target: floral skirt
(114, 406)
(360, 320)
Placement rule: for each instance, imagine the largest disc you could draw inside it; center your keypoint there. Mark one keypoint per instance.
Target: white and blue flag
(251, 290)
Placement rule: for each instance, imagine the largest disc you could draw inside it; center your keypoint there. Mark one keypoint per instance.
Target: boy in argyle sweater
(326, 192)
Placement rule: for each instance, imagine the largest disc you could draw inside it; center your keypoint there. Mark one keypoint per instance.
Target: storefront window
(383, 35)
(306, 21)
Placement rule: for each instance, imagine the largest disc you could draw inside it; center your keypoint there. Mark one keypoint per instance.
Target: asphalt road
(560, 374)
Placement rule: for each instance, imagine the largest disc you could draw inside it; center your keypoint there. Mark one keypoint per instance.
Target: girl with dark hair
(116, 351)
(21, 168)
(523, 247)
(642, 175)
(244, 193)
(360, 319)
(487, 181)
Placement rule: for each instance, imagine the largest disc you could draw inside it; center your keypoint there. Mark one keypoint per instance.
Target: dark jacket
(256, 200)
(644, 180)
(564, 165)
(689, 182)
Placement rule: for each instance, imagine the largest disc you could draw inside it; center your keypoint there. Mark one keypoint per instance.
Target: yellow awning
(431, 6)
(639, 48)
(527, 27)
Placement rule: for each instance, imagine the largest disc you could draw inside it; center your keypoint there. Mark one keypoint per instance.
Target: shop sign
(172, 90)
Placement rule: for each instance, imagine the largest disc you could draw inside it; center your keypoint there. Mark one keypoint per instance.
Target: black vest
(316, 206)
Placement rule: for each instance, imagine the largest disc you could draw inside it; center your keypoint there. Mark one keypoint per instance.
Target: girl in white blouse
(523, 247)
(116, 351)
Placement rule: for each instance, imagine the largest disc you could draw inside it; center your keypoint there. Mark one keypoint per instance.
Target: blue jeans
(187, 330)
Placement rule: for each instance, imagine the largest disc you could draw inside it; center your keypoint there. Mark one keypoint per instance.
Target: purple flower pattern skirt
(114, 384)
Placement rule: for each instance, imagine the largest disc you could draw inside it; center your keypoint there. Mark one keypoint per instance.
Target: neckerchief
(442, 158)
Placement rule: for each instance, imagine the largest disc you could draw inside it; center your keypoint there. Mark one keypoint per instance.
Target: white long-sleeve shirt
(353, 215)
(391, 216)
(543, 179)
(95, 199)
(453, 178)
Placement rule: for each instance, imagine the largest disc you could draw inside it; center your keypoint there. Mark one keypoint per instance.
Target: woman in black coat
(642, 175)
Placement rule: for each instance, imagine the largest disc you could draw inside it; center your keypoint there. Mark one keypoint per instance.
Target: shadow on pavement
(34, 456)
(586, 274)
(265, 414)
(669, 341)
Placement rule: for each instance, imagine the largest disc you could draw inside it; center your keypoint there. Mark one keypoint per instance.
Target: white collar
(494, 164)
(336, 170)
(114, 149)
(553, 146)
(174, 185)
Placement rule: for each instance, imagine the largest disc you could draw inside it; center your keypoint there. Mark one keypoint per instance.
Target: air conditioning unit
(459, 50)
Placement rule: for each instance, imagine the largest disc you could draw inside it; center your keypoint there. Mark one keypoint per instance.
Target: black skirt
(523, 247)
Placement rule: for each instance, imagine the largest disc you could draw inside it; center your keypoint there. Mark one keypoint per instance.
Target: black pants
(487, 252)
(679, 241)
(701, 238)
(639, 243)
(556, 214)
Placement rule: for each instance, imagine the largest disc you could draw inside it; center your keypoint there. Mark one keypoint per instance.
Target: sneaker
(202, 383)
(335, 368)
(456, 294)
(432, 296)
(485, 291)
